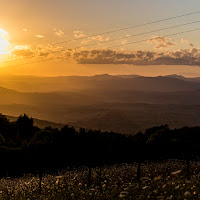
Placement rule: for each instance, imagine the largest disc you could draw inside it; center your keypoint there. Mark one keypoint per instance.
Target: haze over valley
(123, 103)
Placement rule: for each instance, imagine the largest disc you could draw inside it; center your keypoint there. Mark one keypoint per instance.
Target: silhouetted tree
(4, 126)
(25, 127)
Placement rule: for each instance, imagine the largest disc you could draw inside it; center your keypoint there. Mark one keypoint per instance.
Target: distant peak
(176, 76)
(106, 75)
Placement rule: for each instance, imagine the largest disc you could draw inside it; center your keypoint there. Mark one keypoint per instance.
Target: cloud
(186, 42)
(39, 36)
(161, 42)
(26, 51)
(189, 56)
(191, 45)
(79, 34)
(25, 29)
(22, 50)
(23, 53)
(98, 38)
(107, 56)
(123, 42)
(59, 33)
(85, 41)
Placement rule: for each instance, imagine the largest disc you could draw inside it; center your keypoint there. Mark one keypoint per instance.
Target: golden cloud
(161, 42)
(108, 56)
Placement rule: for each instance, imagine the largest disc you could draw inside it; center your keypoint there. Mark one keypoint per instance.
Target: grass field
(165, 180)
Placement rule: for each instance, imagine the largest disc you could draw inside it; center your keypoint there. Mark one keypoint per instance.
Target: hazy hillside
(39, 123)
(120, 103)
(9, 96)
(100, 82)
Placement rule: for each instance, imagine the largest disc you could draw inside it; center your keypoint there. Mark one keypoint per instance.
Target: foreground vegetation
(160, 180)
(27, 149)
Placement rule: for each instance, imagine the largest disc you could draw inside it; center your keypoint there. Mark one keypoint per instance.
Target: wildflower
(57, 181)
(59, 177)
(169, 198)
(187, 194)
(145, 179)
(160, 197)
(177, 187)
(123, 194)
(157, 178)
(176, 172)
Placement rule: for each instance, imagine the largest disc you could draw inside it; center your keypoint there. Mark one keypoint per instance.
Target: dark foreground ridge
(26, 148)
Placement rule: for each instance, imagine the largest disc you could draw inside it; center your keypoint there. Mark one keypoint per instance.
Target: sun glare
(4, 43)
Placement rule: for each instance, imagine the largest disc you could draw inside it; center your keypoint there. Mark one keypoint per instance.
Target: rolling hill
(170, 83)
(119, 103)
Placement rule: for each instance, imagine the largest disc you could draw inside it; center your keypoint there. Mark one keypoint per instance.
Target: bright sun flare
(4, 43)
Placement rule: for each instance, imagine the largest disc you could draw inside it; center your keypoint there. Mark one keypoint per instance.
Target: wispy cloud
(161, 42)
(98, 38)
(184, 41)
(59, 33)
(107, 56)
(39, 36)
(123, 42)
(79, 34)
(22, 50)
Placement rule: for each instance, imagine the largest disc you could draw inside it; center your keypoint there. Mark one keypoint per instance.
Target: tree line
(27, 148)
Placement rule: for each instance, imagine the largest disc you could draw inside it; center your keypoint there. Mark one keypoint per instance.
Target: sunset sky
(33, 37)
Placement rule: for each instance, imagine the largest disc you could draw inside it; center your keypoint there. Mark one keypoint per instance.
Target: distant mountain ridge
(40, 123)
(168, 83)
(125, 103)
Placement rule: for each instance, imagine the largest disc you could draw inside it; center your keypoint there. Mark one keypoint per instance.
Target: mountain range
(123, 103)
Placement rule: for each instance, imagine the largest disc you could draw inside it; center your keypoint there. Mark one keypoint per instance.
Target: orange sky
(63, 69)
(30, 29)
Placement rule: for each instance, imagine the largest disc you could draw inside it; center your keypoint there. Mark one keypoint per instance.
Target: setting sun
(4, 43)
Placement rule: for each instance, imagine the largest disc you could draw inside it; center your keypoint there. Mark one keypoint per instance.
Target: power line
(115, 39)
(139, 41)
(127, 28)
(139, 34)
(192, 30)
(130, 27)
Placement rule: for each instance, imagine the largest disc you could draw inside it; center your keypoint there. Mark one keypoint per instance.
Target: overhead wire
(139, 41)
(102, 42)
(129, 27)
